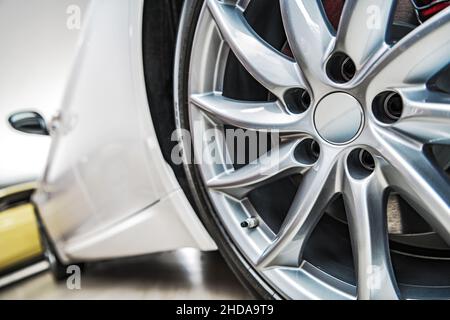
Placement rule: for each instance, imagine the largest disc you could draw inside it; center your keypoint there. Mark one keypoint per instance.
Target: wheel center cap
(338, 118)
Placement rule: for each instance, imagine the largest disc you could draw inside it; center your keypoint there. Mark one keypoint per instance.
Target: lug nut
(250, 223)
(340, 68)
(360, 163)
(366, 159)
(297, 100)
(307, 152)
(388, 107)
(393, 106)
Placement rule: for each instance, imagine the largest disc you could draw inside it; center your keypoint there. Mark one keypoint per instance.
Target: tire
(57, 268)
(159, 41)
(244, 272)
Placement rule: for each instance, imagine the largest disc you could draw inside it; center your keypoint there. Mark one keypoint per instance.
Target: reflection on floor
(185, 274)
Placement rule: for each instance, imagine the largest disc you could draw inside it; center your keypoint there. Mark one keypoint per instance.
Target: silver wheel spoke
(366, 212)
(268, 66)
(416, 178)
(318, 187)
(417, 57)
(309, 36)
(426, 115)
(248, 115)
(362, 29)
(273, 164)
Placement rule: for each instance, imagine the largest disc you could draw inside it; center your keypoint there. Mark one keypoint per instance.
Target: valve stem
(250, 223)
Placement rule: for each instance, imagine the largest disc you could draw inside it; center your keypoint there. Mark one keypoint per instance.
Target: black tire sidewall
(57, 268)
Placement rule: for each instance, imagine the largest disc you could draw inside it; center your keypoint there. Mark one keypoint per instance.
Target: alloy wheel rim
(396, 147)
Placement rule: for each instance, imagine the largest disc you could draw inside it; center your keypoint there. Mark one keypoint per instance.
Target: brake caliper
(425, 9)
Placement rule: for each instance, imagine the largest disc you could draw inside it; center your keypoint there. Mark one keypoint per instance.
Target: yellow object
(19, 236)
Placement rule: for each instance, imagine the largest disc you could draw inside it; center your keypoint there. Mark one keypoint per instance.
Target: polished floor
(185, 274)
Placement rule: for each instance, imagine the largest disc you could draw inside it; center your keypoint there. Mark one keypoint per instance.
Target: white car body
(107, 191)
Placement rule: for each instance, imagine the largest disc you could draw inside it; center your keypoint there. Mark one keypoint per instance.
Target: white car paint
(107, 191)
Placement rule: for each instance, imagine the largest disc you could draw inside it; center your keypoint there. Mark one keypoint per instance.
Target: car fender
(107, 191)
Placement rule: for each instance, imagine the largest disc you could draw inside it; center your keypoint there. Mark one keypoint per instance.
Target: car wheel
(351, 196)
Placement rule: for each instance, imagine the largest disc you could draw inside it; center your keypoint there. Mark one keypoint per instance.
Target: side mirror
(29, 122)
